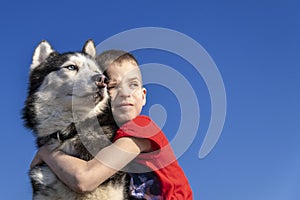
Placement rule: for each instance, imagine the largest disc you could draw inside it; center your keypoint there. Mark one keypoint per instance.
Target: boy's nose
(124, 91)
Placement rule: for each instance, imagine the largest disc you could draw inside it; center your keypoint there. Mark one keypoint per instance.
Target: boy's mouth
(124, 104)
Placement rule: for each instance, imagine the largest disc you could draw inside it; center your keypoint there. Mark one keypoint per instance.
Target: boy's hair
(114, 56)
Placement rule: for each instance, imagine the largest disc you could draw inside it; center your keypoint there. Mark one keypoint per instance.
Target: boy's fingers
(36, 160)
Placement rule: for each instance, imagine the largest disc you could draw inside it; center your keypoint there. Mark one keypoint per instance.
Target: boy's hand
(36, 160)
(44, 151)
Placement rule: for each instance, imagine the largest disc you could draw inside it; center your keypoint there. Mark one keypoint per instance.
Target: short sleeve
(143, 127)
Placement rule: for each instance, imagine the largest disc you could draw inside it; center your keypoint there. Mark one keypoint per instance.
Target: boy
(138, 143)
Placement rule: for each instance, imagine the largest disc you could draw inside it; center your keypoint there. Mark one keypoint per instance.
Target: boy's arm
(85, 176)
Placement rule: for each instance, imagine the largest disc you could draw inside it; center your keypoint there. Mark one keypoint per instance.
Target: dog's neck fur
(51, 119)
(55, 117)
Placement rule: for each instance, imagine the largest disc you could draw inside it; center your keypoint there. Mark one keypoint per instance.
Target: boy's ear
(41, 53)
(144, 94)
(89, 48)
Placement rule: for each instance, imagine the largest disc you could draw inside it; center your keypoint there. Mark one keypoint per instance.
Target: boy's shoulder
(142, 125)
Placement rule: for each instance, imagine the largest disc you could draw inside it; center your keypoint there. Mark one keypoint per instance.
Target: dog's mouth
(97, 97)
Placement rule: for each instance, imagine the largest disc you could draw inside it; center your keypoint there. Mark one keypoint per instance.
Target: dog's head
(63, 86)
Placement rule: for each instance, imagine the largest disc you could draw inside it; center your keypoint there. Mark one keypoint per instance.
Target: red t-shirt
(174, 184)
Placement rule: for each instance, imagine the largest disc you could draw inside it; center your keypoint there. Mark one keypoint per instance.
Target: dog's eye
(71, 67)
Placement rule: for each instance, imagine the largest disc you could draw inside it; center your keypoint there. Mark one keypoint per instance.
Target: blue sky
(254, 44)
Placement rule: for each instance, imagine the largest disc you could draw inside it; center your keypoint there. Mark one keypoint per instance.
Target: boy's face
(126, 91)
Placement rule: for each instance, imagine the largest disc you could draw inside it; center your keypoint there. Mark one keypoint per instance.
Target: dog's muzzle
(101, 81)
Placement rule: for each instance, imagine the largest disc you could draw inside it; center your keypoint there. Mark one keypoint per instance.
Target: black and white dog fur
(68, 107)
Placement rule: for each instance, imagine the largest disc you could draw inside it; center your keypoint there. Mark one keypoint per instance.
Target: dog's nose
(101, 81)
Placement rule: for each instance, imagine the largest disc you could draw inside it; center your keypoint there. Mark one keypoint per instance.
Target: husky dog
(68, 107)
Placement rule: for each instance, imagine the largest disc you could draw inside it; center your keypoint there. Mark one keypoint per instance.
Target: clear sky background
(256, 47)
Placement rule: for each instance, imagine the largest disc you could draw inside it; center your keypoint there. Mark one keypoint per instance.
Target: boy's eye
(71, 67)
(110, 86)
(134, 85)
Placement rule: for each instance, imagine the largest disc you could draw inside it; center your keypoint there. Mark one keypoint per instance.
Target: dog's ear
(89, 48)
(41, 53)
